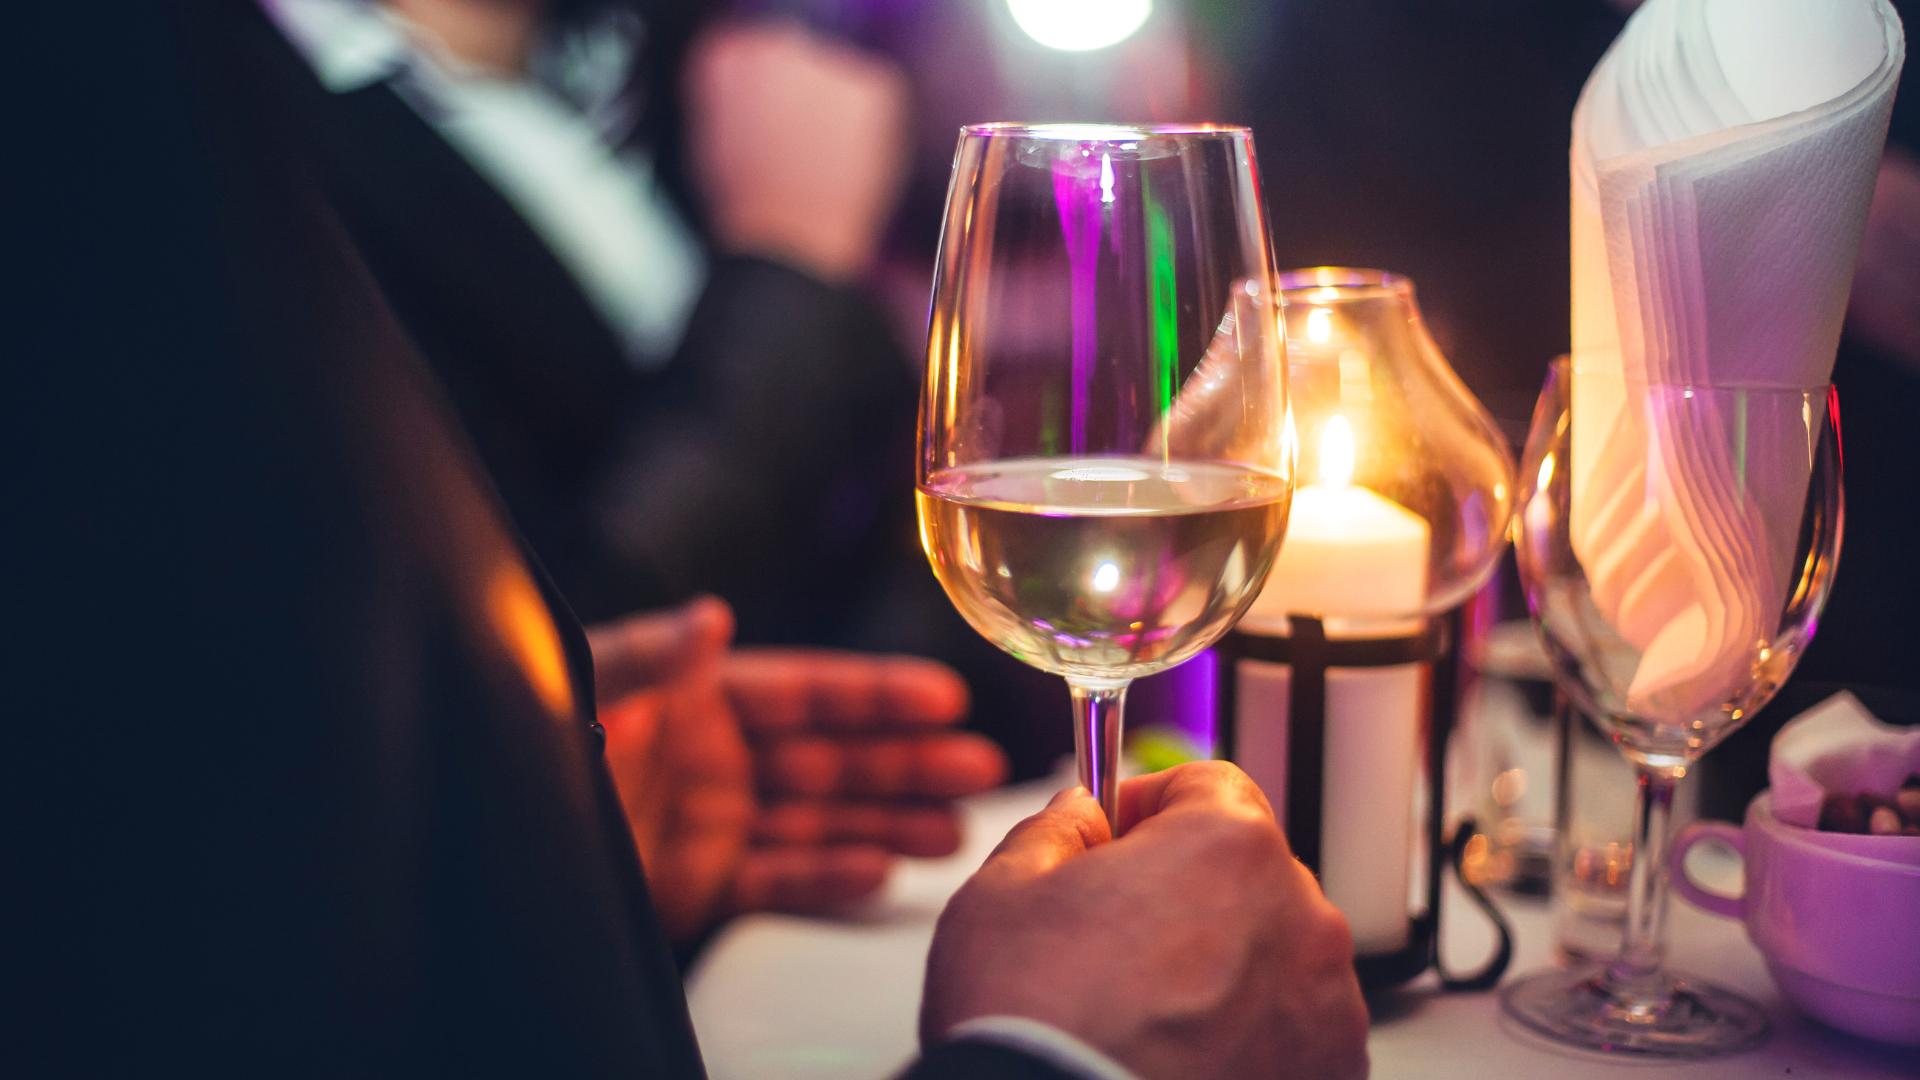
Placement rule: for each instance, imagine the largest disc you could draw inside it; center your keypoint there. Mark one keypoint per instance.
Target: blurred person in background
(634, 246)
(637, 242)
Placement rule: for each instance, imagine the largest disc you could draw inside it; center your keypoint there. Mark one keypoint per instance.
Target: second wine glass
(1104, 468)
(1677, 542)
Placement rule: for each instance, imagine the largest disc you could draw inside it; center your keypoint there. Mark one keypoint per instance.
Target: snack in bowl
(1874, 814)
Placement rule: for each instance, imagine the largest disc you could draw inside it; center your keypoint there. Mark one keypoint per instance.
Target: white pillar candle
(1358, 561)
(1369, 772)
(1350, 556)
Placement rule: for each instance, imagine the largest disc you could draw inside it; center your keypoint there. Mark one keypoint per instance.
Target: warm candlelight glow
(1320, 325)
(1357, 560)
(1336, 452)
(524, 627)
(1378, 539)
(1351, 553)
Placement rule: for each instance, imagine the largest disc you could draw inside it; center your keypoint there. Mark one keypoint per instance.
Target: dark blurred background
(747, 430)
(1428, 137)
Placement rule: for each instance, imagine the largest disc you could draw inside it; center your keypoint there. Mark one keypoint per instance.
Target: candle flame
(1336, 452)
(1545, 475)
(1320, 326)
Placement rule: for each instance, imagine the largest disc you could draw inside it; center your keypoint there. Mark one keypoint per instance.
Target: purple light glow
(1078, 196)
(1180, 700)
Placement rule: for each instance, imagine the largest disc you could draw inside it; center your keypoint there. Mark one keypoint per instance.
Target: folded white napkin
(1838, 747)
(1724, 154)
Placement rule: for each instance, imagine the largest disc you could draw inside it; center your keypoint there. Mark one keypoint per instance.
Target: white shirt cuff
(1043, 1041)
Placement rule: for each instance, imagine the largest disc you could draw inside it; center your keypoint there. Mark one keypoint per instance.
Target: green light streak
(1740, 407)
(1160, 298)
(1050, 401)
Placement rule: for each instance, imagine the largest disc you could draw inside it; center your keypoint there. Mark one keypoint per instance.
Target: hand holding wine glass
(1084, 499)
(1202, 878)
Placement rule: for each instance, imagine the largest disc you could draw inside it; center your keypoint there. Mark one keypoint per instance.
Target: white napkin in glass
(1723, 158)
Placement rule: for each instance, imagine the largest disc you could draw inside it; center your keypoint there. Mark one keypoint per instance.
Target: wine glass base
(1573, 1007)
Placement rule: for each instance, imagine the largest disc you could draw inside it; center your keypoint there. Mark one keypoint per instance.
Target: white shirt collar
(348, 44)
(352, 44)
(551, 142)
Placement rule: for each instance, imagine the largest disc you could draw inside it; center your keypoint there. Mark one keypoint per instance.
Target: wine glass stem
(1634, 978)
(1097, 707)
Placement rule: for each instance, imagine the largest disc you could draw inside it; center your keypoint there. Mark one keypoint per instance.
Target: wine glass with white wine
(1105, 467)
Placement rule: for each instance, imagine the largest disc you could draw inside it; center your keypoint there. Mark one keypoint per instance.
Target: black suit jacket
(303, 741)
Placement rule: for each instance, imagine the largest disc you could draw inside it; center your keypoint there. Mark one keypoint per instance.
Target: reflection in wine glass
(1103, 477)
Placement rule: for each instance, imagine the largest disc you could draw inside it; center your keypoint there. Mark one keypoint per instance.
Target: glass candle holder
(1328, 684)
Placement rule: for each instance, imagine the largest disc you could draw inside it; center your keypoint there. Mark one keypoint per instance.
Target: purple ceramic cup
(1837, 917)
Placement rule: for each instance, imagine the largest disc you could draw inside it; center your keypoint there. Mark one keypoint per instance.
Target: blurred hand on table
(1195, 945)
(776, 779)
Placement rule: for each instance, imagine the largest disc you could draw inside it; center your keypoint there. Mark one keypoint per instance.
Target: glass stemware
(1104, 472)
(1677, 543)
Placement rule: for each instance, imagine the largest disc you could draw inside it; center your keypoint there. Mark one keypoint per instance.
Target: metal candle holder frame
(1308, 653)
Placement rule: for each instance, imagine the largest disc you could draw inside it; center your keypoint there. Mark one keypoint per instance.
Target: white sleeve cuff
(1043, 1041)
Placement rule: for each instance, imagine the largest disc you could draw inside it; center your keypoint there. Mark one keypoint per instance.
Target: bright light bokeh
(1080, 25)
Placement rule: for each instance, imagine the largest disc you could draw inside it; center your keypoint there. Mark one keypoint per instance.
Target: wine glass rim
(1098, 132)
(1333, 283)
(1565, 365)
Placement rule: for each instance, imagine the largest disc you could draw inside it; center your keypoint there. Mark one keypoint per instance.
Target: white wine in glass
(1104, 474)
(1100, 567)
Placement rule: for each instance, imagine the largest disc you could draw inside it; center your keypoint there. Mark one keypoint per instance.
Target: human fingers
(922, 831)
(941, 766)
(651, 648)
(689, 869)
(1210, 785)
(1215, 954)
(783, 691)
(808, 880)
(1071, 824)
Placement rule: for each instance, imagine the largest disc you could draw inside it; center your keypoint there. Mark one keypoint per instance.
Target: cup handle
(1732, 907)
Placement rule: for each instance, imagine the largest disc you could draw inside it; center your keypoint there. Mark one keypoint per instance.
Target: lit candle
(1358, 561)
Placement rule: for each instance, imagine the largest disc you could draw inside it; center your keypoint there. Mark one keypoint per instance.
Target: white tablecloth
(777, 997)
